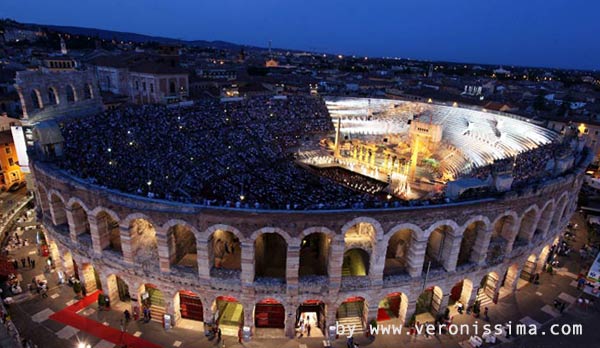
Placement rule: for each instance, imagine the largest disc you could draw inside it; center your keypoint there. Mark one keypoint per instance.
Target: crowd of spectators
(234, 154)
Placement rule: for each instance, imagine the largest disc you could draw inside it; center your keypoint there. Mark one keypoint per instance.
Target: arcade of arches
(222, 252)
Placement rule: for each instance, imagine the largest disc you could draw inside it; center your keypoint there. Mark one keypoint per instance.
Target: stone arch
(473, 239)
(430, 301)
(143, 241)
(269, 313)
(440, 244)
(71, 94)
(512, 276)
(503, 232)
(527, 225)
(188, 305)
(182, 241)
(353, 310)
(559, 209)
(117, 289)
(378, 235)
(36, 99)
(356, 263)
(227, 304)
(270, 252)
(106, 226)
(43, 199)
(315, 250)
(53, 96)
(393, 305)
(543, 224)
(224, 249)
(488, 288)
(399, 240)
(461, 292)
(88, 91)
(57, 208)
(79, 223)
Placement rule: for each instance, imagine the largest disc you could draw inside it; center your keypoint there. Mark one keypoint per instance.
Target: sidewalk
(530, 304)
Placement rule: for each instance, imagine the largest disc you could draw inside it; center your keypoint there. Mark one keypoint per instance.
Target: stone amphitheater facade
(528, 222)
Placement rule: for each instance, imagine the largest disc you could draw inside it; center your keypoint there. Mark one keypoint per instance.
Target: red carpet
(69, 317)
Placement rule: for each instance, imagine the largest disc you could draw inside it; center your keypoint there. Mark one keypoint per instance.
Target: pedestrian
(29, 261)
(127, 315)
(16, 264)
(562, 307)
(32, 263)
(350, 342)
(23, 262)
(485, 314)
(219, 333)
(308, 330)
(580, 283)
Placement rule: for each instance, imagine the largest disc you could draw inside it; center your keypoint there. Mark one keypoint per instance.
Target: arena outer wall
(538, 215)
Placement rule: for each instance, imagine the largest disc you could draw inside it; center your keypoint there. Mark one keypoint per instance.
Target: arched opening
(429, 304)
(36, 99)
(511, 277)
(118, 290)
(69, 265)
(43, 201)
(109, 232)
(393, 306)
(352, 313)
(545, 220)
(356, 263)
(396, 255)
(190, 305)
(487, 289)
(311, 312)
(545, 256)
(90, 278)
(183, 251)
(154, 300)
(559, 210)
(57, 210)
(528, 272)
(88, 92)
(270, 256)
(230, 315)
(461, 293)
(144, 247)
(527, 228)
(269, 313)
(225, 254)
(314, 255)
(172, 89)
(438, 249)
(52, 96)
(502, 234)
(474, 231)
(71, 97)
(81, 225)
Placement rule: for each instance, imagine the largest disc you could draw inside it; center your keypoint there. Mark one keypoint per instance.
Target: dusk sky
(552, 33)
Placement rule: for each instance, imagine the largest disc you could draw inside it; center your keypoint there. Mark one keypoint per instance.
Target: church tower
(63, 46)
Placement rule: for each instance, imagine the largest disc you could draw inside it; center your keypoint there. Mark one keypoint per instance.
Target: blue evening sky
(552, 33)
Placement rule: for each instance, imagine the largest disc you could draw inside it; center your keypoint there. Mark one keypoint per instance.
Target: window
(52, 96)
(172, 87)
(10, 161)
(144, 86)
(8, 150)
(70, 94)
(151, 88)
(137, 85)
(88, 92)
(35, 100)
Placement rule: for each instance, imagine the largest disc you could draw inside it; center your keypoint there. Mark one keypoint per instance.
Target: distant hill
(125, 36)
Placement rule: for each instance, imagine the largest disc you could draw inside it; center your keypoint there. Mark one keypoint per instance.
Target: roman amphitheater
(261, 267)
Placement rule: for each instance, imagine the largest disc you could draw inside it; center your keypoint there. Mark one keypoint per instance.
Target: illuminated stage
(417, 148)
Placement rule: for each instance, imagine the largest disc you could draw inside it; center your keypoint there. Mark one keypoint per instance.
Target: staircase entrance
(351, 313)
(230, 315)
(156, 302)
(313, 313)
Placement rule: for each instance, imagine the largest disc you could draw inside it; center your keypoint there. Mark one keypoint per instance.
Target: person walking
(485, 314)
(29, 261)
(219, 333)
(23, 260)
(308, 330)
(32, 263)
